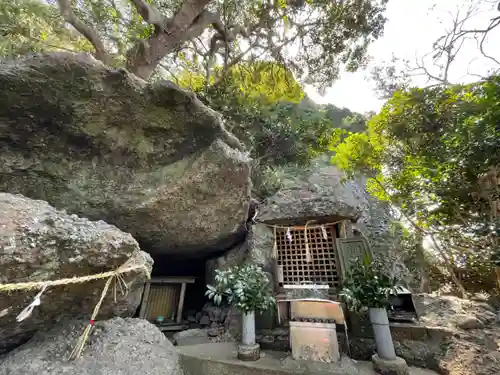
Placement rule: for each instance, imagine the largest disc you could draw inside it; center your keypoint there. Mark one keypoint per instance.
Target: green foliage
(117, 23)
(268, 180)
(266, 109)
(434, 154)
(368, 284)
(28, 26)
(259, 83)
(244, 287)
(313, 39)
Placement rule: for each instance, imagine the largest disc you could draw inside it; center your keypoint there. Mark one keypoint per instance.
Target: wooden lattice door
(317, 262)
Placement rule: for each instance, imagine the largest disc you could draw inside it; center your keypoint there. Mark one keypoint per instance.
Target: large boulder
(453, 312)
(115, 347)
(149, 158)
(323, 191)
(320, 190)
(40, 243)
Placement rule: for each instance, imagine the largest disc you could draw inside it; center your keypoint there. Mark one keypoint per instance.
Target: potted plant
(246, 288)
(369, 285)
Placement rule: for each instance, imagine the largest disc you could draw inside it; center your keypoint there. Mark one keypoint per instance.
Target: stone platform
(221, 359)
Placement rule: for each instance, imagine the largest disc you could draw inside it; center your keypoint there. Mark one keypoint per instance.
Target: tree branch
(187, 14)
(186, 24)
(201, 22)
(448, 263)
(494, 23)
(89, 33)
(437, 64)
(150, 14)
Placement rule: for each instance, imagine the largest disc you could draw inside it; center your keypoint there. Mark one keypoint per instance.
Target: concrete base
(249, 352)
(395, 366)
(221, 359)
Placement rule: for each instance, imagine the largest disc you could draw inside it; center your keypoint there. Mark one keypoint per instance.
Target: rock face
(474, 346)
(116, 347)
(453, 312)
(148, 158)
(40, 243)
(320, 191)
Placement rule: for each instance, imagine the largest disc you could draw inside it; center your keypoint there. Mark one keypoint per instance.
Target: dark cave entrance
(174, 299)
(175, 266)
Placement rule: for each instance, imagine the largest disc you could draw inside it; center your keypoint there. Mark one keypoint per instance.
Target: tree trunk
(188, 23)
(449, 266)
(425, 283)
(422, 263)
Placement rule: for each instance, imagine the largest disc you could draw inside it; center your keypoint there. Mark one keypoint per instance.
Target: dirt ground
(474, 348)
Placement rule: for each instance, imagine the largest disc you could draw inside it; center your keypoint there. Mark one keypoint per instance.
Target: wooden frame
(292, 266)
(183, 281)
(350, 248)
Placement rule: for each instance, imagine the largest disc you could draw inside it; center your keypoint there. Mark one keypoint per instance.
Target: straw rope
(31, 285)
(294, 226)
(274, 254)
(308, 253)
(308, 226)
(111, 276)
(82, 340)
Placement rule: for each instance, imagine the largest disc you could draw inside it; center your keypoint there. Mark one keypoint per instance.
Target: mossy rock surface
(39, 243)
(101, 143)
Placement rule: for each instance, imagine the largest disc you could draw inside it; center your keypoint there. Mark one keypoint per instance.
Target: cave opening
(177, 266)
(174, 298)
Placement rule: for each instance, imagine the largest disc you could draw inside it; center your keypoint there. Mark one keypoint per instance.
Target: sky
(412, 27)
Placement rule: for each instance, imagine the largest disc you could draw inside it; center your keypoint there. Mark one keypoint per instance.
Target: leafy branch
(245, 287)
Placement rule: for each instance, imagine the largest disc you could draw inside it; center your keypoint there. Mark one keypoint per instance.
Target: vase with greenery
(248, 289)
(369, 284)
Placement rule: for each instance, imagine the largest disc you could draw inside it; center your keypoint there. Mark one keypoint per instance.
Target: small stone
(213, 332)
(267, 340)
(283, 337)
(191, 337)
(469, 322)
(205, 320)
